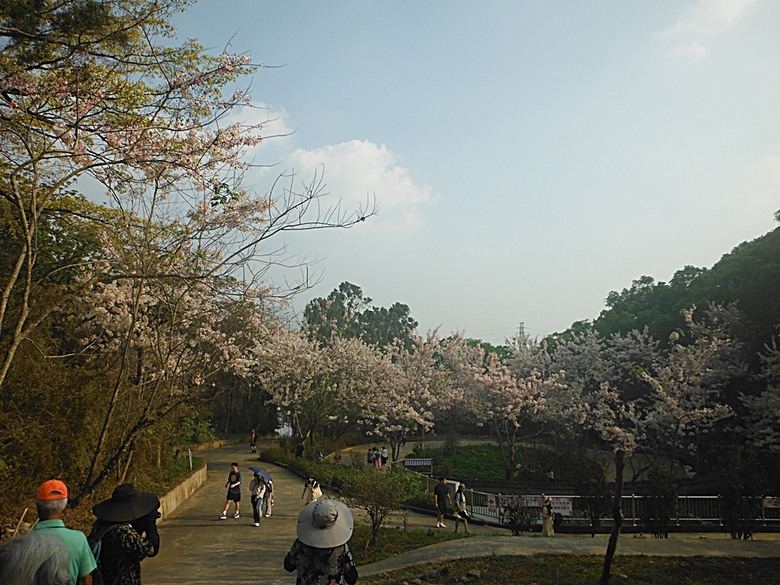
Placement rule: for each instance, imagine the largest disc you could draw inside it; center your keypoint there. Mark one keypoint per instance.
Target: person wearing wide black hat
(127, 525)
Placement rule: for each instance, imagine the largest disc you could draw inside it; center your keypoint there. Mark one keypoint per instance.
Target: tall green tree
(345, 312)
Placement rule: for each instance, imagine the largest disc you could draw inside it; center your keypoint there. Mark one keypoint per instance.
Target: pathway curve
(199, 548)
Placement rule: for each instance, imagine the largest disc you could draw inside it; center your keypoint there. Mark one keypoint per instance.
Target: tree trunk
(617, 517)
(123, 476)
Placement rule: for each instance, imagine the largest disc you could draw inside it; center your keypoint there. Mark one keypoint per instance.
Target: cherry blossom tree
(505, 402)
(92, 94)
(681, 404)
(413, 381)
(156, 346)
(315, 386)
(762, 419)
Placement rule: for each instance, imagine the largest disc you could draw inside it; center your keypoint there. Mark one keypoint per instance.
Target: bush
(379, 494)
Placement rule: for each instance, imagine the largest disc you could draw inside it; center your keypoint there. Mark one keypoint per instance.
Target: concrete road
(197, 547)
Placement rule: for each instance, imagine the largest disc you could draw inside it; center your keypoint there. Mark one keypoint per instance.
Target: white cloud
(704, 18)
(709, 17)
(357, 171)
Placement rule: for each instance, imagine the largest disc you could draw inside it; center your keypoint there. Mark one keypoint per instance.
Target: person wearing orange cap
(52, 500)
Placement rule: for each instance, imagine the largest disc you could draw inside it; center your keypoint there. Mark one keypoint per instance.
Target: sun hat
(54, 489)
(325, 524)
(126, 504)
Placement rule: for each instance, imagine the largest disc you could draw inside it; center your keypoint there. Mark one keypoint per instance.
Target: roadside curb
(170, 501)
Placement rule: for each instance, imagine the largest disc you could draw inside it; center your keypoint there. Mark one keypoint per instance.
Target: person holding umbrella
(320, 553)
(257, 490)
(126, 523)
(266, 501)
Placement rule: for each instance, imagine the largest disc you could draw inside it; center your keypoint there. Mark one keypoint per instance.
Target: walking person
(461, 514)
(36, 558)
(122, 546)
(311, 490)
(320, 554)
(441, 494)
(547, 517)
(253, 441)
(233, 485)
(268, 499)
(51, 502)
(257, 489)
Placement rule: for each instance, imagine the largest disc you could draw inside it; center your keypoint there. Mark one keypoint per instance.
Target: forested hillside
(748, 278)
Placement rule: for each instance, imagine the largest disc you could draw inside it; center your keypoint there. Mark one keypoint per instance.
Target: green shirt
(81, 562)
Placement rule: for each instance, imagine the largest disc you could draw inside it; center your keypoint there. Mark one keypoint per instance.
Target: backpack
(95, 541)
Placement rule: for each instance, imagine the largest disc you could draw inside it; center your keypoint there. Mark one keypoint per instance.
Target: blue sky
(527, 158)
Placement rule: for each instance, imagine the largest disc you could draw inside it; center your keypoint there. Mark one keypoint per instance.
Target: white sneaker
(438, 524)
(268, 515)
(257, 523)
(443, 525)
(223, 516)
(236, 515)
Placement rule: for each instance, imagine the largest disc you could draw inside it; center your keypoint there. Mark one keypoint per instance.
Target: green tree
(337, 314)
(347, 313)
(379, 494)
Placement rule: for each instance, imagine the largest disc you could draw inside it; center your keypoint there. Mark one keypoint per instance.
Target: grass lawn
(586, 570)
(551, 570)
(476, 461)
(392, 541)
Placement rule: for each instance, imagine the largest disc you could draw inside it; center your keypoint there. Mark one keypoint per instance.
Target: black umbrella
(261, 472)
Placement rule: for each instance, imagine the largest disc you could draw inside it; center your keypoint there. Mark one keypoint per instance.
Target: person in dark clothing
(146, 526)
(233, 485)
(441, 494)
(128, 524)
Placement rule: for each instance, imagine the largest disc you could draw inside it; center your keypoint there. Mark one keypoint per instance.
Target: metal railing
(689, 510)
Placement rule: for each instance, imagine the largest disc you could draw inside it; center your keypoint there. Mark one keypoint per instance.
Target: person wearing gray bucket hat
(320, 554)
(127, 531)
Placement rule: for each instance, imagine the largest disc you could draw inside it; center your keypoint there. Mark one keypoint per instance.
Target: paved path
(198, 548)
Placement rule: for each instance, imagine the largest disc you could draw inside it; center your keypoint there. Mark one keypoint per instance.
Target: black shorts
(235, 497)
(464, 514)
